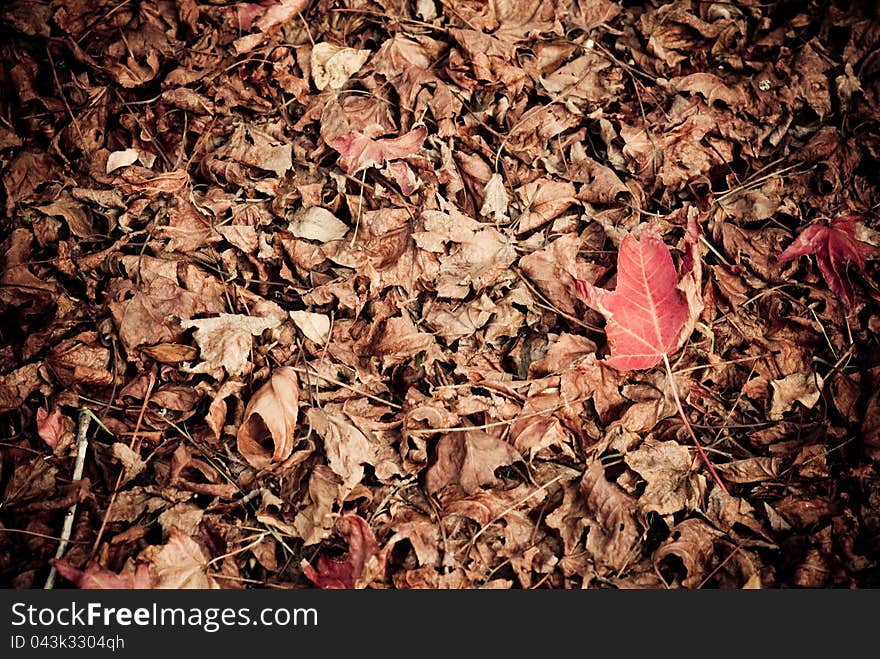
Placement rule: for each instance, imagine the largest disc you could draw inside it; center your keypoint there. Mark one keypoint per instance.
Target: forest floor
(313, 290)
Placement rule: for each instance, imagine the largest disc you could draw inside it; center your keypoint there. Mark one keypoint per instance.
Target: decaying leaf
(266, 434)
(672, 486)
(614, 533)
(693, 543)
(179, 564)
(346, 447)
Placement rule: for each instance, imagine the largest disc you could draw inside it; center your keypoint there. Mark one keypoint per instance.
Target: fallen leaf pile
(373, 294)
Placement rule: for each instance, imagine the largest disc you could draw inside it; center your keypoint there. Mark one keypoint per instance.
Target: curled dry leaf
(693, 542)
(267, 431)
(469, 459)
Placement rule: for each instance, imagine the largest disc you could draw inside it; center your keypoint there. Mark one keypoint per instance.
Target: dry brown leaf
(256, 148)
(614, 533)
(146, 306)
(316, 223)
(225, 342)
(476, 254)
(571, 517)
(468, 459)
(314, 522)
(542, 201)
(496, 202)
(314, 326)
(179, 564)
(130, 461)
(554, 268)
(119, 159)
(672, 486)
(266, 434)
(346, 447)
(81, 360)
(804, 388)
(15, 387)
(751, 470)
(332, 65)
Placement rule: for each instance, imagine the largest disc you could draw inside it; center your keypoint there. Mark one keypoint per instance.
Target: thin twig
(687, 424)
(82, 445)
(131, 445)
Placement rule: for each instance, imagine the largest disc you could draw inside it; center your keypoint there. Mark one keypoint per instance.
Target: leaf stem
(690, 430)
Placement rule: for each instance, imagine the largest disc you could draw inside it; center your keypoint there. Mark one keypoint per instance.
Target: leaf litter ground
(318, 273)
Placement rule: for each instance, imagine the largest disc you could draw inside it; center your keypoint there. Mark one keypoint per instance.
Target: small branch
(82, 445)
(690, 430)
(132, 445)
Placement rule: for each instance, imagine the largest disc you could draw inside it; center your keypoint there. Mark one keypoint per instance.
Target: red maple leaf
(834, 246)
(652, 311)
(349, 571)
(357, 151)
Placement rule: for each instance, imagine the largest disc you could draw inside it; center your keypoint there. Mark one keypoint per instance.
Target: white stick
(82, 445)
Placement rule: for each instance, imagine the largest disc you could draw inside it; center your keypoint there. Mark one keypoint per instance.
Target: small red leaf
(834, 247)
(50, 426)
(650, 313)
(349, 571)
(357, 151)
